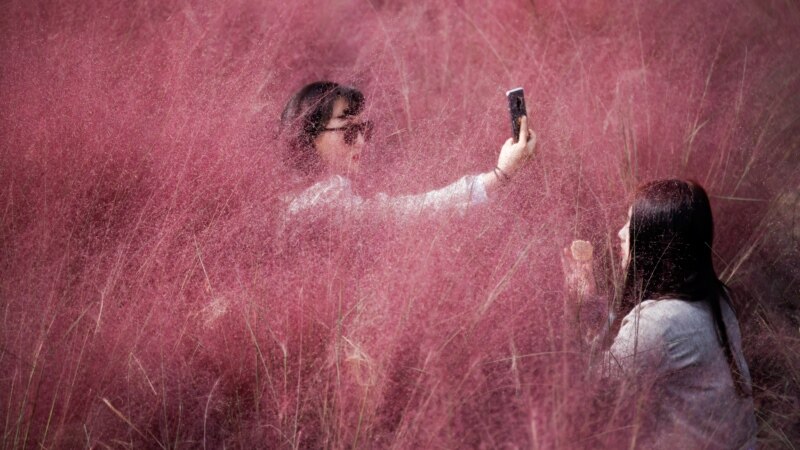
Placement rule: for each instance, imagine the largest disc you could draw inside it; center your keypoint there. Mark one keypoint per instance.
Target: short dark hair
(305, 116)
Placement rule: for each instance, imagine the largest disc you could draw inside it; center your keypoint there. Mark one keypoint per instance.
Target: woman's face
(625, 240)
(339, 156)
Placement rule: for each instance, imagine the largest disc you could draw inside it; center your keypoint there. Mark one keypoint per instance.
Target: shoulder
(642, 329)
(656, 315)
(668, 311)
(655, 323)
(639, 344)
(645, 322)
(668, 320)
(329, 191)
(334, 183)
(686, 329)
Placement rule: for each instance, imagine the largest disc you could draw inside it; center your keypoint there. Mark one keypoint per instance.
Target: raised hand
(578, 272)
(513, 155)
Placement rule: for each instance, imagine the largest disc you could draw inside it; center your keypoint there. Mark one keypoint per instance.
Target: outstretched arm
(470, 190)
(336, 194)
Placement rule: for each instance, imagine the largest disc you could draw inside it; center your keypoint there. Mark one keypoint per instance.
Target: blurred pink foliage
(147, 300)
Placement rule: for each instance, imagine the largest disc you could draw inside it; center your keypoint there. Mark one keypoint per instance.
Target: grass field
(147, 301)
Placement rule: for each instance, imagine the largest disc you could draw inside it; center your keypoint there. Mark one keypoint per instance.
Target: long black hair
(670, 256)
(305, 116)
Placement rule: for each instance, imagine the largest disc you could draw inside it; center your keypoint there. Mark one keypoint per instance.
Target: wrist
(490, 181)
(502, 175)
(508, 167)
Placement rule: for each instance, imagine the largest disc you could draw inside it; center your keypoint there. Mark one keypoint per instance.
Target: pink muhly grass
(148, 301)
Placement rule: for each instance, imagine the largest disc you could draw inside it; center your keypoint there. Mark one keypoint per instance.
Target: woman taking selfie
(678, 342)
(325, 137)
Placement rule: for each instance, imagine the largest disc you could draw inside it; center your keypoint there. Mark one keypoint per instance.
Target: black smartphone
(516, 106)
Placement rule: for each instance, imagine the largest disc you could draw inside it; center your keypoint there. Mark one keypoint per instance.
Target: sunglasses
(352, 130)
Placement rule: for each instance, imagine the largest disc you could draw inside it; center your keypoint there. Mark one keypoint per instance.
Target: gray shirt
(673, 344)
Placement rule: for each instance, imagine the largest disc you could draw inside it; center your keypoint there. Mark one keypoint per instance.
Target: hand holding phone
(516, 107)
(514, 155)
(519, 149)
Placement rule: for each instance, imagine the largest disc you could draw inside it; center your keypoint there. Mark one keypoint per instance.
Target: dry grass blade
(130, 424)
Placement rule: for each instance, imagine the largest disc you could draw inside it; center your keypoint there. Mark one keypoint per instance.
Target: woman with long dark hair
(678, 340)
(678, 323)
(325, 134)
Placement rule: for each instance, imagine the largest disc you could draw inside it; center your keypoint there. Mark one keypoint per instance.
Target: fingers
(582, 250)
(567, 269)
(530, 146)
(523, 129)
(565, 260)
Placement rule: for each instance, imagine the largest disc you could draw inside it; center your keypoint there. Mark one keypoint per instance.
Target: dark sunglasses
(352, 130)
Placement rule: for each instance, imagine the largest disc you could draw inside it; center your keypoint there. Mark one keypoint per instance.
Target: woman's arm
(640, 346)
(639, 343)
(469, 190)
(336, 195)
(335, 199)
(584, 310)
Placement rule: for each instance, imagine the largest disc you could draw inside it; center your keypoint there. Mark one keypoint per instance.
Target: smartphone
(516, 106)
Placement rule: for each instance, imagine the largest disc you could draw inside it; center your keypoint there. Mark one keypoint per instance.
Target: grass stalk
(133, 427)
(205, 411)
